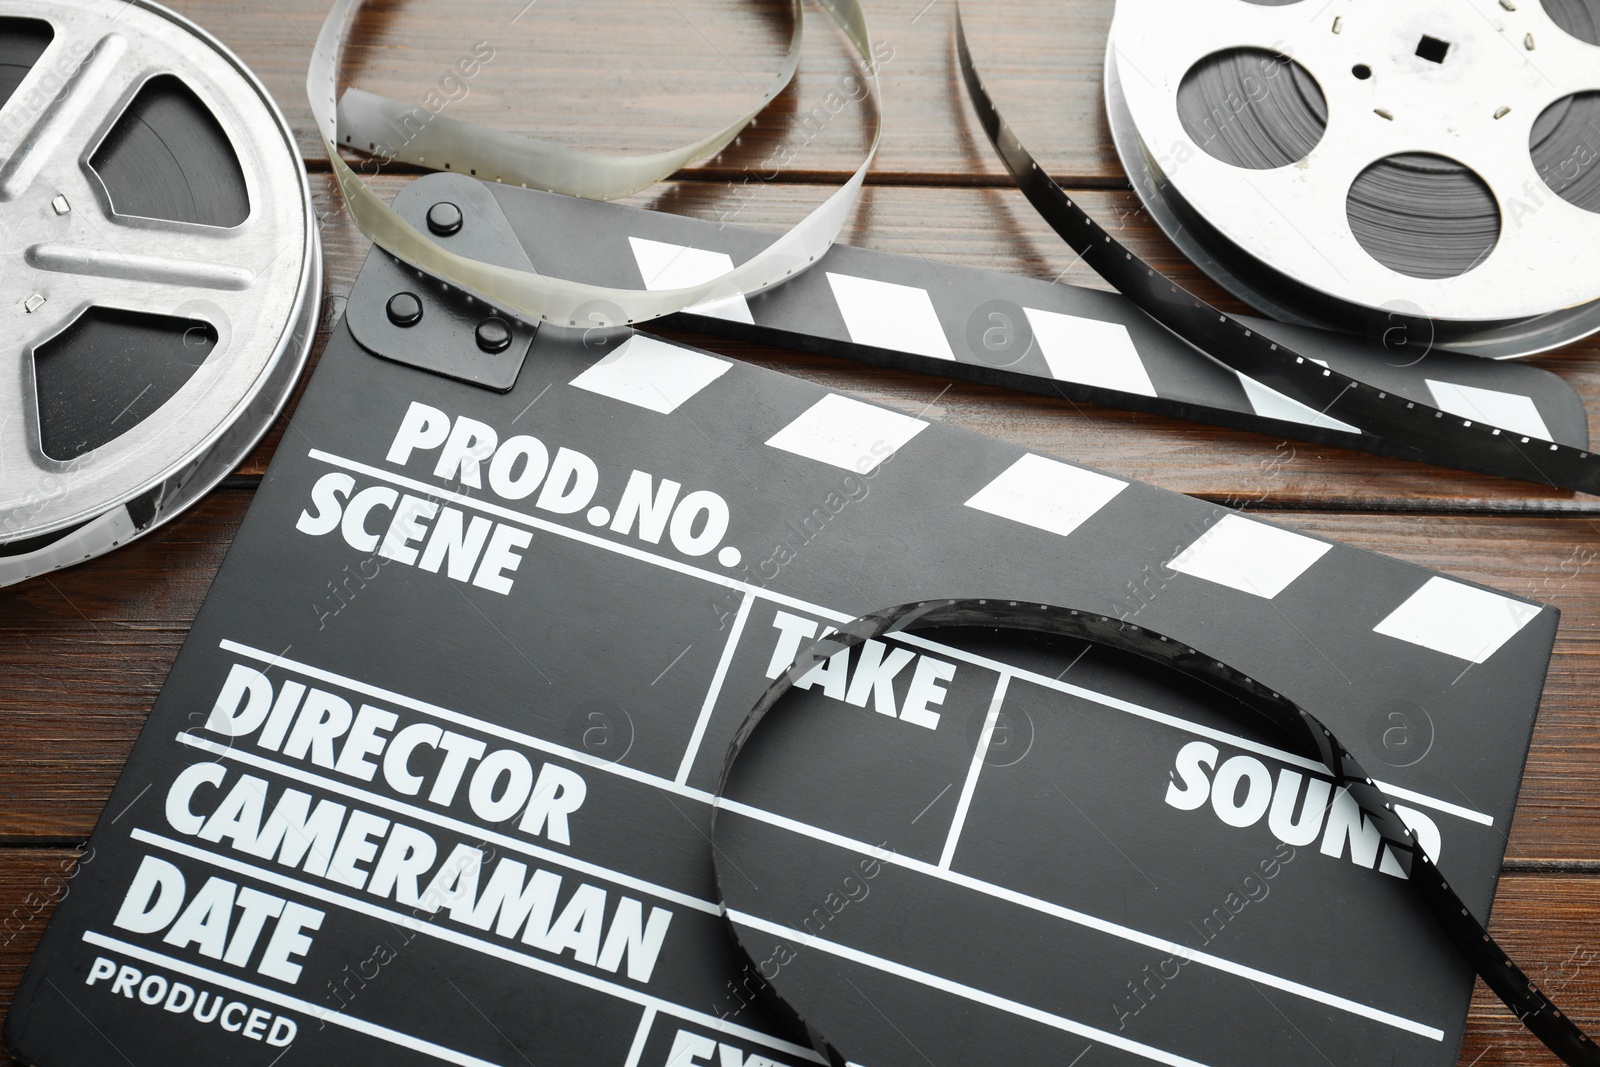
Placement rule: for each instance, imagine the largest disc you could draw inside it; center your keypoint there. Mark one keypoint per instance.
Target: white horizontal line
(631, 552)
(487, 948)
(1423, 800)
(315, 1011)
(469, 830)
(455, 717)
(1078, 918)
(966, 992)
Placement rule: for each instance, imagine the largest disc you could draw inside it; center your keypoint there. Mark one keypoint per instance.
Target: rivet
(404, 309)
(494, 334)
(444, 218)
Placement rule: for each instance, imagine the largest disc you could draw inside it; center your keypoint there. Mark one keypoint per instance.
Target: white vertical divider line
(971, 784)
(716, 689)
(646, 1021)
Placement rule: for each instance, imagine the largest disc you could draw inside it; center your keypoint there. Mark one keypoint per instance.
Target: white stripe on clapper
(710, 703)
(971, 784)
(640, 1036)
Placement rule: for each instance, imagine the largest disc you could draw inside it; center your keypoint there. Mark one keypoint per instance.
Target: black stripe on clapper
(1429, 434)
(1535, 1010)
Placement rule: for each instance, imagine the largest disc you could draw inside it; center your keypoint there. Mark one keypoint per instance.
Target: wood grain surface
(83, 652)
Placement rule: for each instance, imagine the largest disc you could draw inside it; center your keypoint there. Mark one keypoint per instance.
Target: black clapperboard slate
(430, 780)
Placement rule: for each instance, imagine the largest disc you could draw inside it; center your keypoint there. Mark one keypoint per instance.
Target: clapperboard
(431, 779)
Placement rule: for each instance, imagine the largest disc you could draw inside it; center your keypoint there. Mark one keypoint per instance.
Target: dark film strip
(741, 897)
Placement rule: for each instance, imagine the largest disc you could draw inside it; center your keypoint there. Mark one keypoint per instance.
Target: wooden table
(84, 652)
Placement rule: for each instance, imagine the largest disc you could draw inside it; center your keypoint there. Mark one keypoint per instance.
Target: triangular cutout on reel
(168, 158)
(109, 371)
(22, 42)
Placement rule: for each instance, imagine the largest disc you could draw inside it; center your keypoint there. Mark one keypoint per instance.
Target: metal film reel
(162, 273)
(1350, 164)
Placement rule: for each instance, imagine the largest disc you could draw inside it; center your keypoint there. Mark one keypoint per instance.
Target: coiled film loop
(1471, 938)
(538, 298)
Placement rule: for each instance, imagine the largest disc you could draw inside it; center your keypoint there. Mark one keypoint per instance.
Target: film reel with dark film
(1306, 188)
(163, 270)
(1339, 167)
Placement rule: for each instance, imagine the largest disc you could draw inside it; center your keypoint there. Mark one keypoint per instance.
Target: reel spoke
(75, 117)
(152, 255)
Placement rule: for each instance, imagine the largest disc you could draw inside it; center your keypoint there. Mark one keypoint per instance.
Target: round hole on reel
(168, 158)
(1423, 215)
(1252, 108)
(108, 371)
(1565, 146)
(1580, 18)
(1361, 71)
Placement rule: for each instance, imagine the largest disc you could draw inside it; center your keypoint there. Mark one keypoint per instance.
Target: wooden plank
(1550, 927)
(620, 77)
(1528, 909)
(32, 882)
(89, 647)
(83, 653)
(995, 229)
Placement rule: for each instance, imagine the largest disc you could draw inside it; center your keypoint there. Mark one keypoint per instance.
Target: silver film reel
(160, 274)
(1350, 163)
